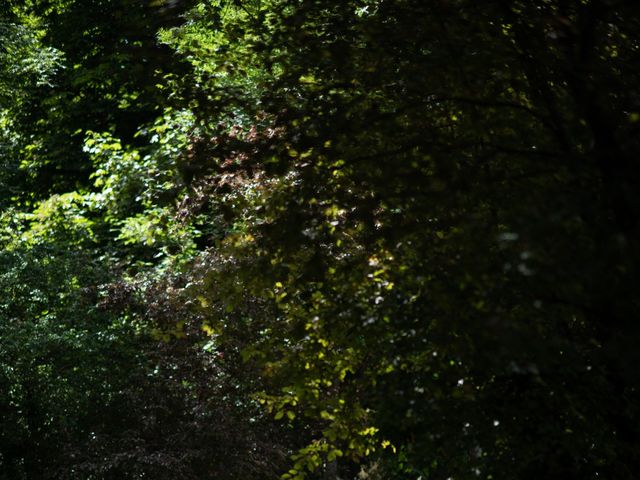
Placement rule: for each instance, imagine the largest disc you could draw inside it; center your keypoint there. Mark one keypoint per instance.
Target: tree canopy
(300, 239)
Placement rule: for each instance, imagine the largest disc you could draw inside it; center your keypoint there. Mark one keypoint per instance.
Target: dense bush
(350, 239)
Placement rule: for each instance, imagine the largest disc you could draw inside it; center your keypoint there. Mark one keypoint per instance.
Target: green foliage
(372, 239)
(91, 386)
(58, 377)
(24, 61)
(420, 191)
(61, 219)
